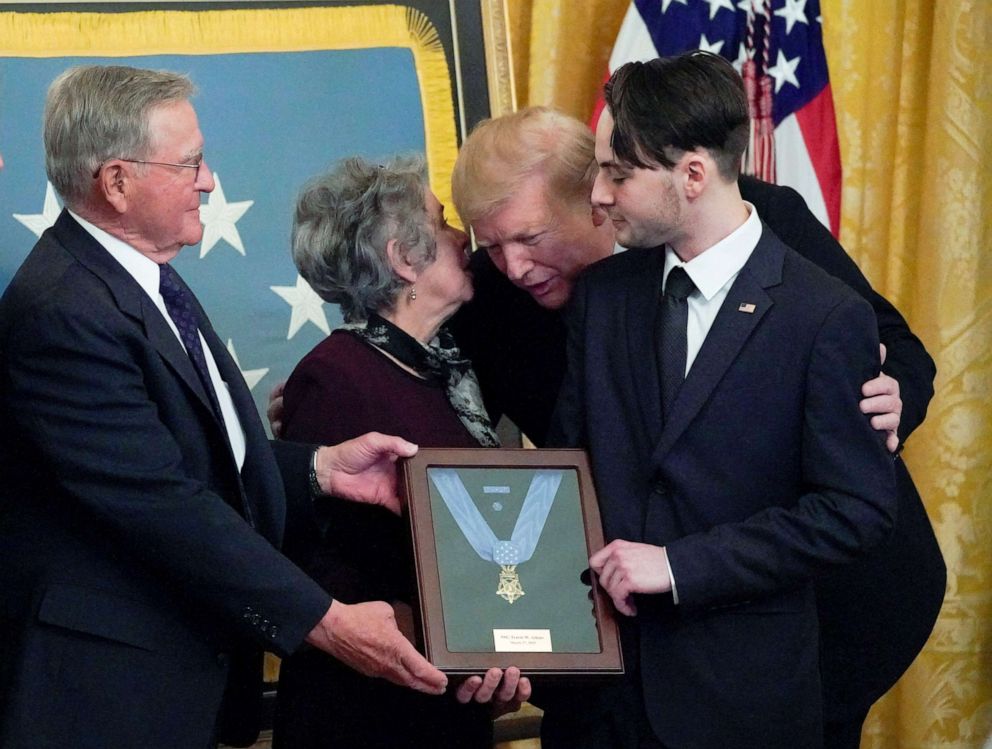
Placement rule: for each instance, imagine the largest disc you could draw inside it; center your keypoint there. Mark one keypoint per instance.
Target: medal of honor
(526, 533)
(509, 583)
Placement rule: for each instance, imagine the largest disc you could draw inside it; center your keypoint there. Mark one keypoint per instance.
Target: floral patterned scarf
(439, 361)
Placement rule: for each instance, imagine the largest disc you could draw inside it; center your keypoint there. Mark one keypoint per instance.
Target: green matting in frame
(501, 539)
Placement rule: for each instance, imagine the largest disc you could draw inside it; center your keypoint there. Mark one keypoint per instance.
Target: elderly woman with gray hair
(374, 240)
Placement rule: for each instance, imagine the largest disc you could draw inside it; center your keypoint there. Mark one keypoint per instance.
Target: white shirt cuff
(671, 578)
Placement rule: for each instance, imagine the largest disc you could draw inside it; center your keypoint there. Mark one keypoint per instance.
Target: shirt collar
(713, 268)
(140, 267)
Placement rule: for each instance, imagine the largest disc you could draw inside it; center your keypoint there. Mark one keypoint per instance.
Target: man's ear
(113, 184)
(399, 263)
(698, 168)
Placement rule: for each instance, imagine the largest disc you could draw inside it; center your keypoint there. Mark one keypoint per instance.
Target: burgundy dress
(344, 388)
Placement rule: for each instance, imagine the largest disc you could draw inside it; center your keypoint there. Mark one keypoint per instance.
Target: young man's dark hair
(670, 105)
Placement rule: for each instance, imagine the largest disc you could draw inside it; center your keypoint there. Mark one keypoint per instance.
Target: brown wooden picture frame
(430, 518)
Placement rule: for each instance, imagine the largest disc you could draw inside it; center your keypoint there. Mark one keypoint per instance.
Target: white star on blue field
(271, 121)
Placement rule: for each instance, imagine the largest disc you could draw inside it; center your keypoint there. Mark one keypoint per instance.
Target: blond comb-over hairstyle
(503, 152)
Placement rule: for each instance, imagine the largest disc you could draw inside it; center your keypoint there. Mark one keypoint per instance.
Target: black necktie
(673, 320)
(182, 309)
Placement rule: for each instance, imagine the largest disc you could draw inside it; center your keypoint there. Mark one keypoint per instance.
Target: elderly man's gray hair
(344, 220)
(94, 113)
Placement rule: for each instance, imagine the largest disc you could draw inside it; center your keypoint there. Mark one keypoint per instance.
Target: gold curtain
(914, 91)
(912, 83)
(560, 50)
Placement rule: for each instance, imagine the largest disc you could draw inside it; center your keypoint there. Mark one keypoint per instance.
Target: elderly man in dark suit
(142, 506)
(523, 182)
(731, 458)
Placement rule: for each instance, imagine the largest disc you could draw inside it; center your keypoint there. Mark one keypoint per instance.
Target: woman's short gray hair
(343, 221)
(94, 113)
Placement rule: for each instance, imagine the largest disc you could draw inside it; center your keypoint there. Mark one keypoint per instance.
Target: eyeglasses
(196, 165)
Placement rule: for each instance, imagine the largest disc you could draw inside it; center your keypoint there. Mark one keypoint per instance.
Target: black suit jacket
(138, 566)
(764, 473)
(876, 614)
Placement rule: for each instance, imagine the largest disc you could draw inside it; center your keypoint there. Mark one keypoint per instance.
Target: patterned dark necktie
(182, 309)
(673, 319)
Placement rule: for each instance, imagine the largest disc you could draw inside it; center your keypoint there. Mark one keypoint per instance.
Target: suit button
(659, 487)
(273, 632)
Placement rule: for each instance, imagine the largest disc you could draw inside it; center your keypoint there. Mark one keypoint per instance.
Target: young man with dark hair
(714, 376)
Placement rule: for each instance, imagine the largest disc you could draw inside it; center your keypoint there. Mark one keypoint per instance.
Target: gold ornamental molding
(499, 67)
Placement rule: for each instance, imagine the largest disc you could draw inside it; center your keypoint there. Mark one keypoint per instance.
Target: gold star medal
(507, 556)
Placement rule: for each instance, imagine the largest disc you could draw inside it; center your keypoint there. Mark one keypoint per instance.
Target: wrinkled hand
(507, 691)
(625, 568)
(274, 410)
(364, 636)
(364, 469)
(881, 397)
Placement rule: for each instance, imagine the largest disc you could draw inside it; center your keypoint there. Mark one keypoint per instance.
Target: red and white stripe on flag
(781, 43)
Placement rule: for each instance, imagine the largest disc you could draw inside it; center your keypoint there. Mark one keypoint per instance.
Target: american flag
(775, 44)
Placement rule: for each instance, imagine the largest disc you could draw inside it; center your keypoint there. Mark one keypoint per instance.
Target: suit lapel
(132, 301)
(244, 407)
(746, 304)
(160, 335)
(639, 322)
(244, 404)
(260, 476)
(229, 372)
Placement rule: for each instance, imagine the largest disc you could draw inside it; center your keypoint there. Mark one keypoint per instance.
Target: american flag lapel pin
(746, 307)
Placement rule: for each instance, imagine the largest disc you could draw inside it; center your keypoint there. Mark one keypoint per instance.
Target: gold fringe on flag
(247, 30)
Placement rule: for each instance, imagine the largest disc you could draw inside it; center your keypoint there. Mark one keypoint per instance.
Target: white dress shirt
(713, 271)
(146, 272)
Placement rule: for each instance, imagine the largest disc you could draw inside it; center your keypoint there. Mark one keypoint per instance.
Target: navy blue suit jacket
(876, 613)
(764, 474)
(138, 565)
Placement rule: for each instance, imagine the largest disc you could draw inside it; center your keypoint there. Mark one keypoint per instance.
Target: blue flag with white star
(271, 120)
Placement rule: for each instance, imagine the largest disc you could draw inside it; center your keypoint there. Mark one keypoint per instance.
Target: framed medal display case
(501, 541)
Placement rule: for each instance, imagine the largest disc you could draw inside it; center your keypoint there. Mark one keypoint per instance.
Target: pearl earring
(413, 293)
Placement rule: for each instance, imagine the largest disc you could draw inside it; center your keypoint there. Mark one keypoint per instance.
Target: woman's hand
(506, 690)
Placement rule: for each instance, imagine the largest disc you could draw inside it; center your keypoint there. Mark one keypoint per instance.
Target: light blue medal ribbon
(526, 533)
